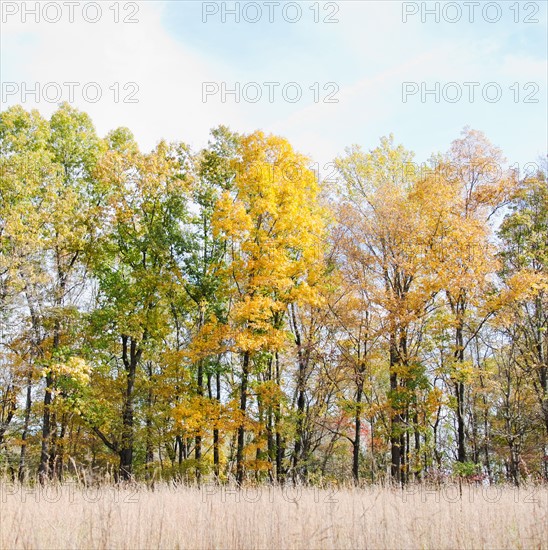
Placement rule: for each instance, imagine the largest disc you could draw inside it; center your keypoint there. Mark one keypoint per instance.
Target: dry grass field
(213, 517)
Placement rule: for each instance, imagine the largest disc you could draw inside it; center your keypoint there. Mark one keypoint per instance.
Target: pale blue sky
(368, 53)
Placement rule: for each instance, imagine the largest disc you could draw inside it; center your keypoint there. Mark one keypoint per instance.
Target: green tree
(136, 270)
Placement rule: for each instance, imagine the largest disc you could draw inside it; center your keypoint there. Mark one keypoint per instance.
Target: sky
(325, 75)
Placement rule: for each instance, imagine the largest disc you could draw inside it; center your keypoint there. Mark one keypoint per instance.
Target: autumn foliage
(225, 313)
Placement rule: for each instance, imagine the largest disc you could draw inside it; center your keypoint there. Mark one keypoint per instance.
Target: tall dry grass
(69, 516)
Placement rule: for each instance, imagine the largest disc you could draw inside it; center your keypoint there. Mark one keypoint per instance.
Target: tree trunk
(130, 359)
(60, 452)
(459, 394)
(53, 447)
(301, 400)
(45, 454)
(241, 428)
(300, 421)
(461, 448)
(26, 422)
(216, 464)
(396, 420)
(280, 444)
(149, 445)
(418, 471)
(198, 440)
(357, 435)
(271, 449)
(180, 450)
(43, 472)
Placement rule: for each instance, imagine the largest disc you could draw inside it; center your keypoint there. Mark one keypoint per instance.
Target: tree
(524, 253)
(24, 164)
(54, 161)
(185, 313)
(136, 270)
(214, 174)
(391, 237)
(473, 168)
(272, 227)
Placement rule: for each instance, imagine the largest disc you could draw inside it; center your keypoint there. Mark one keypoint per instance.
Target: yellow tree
(272, 225)
(214, 172)
(388, 236)
(473, 177)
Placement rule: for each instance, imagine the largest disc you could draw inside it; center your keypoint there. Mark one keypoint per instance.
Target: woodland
(238, 314)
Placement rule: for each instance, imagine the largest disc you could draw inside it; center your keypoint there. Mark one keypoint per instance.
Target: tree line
(229, 314)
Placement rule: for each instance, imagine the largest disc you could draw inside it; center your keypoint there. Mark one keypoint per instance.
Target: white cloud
(378, 53)
(169, 76)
